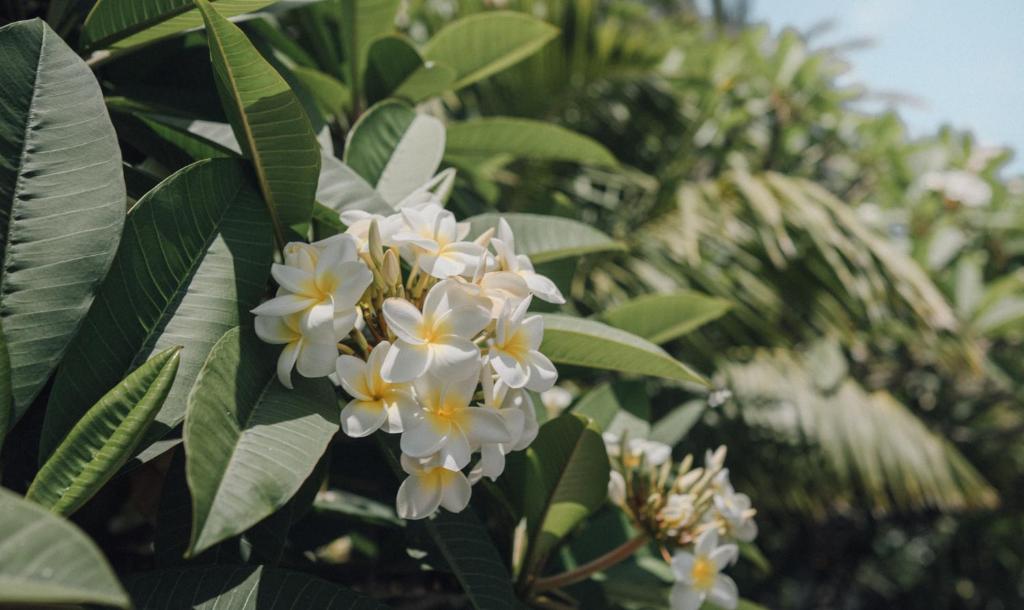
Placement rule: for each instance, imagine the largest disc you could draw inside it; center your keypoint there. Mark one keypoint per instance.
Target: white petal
(351, 373)
(359, 418)
(317, 322)
(416, 500)
(463, 321)
(344, 321)
(405, 362)
(454, 357)
(403, 319)
(293, 279)
(486, 426)
(706, 542)
(455, 493)
(272, 329)
(286, 361)
(724, 593)
(400, 406)
(492, 462)
(515, 422)
(351, 281)
(422, 439)
(514, 373)
(455, 451)
(724, 555)
(543, 287)
(441, 266)
(316, 359)
(682, 565)
(283, 305)
(533, 329)
(543, 374)
(685, 598)
(460, 390)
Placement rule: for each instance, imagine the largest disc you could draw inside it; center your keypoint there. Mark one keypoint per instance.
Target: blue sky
(962, 60)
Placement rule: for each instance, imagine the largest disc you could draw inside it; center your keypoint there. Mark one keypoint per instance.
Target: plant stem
(584, 571)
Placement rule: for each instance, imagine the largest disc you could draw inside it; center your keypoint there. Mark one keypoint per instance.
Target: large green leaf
(660, 318)
(269, 123)
(483, 44)
(194, 261)
(242, 587)
(395, 69)
(62, 201)
(582, 342)
(249, 441)
(524, 138)
(6, 398)
(45, 560)
(121, 24)
(566, 479)
(548, 238)
(105, 438)
(363, 21)
(395, 149)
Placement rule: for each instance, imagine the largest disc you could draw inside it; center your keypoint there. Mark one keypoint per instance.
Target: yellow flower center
(516, 345)
(703, 573)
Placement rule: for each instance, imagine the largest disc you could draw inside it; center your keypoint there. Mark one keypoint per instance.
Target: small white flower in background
(514, 352)
(617, 488)
(959, 185)
(679, 511)
(438, 339)
(612, 444)
(715, 460)
(652, 452)
(447, 425)
(699, 575)
(429, 486)
(376, 404)
(433, 239)
(736, 512)
(556, 400)
(541, 286)
(313, 355)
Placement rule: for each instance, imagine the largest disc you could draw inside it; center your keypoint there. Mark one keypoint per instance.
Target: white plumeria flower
(556, 400)
(447, 425)
(323, 283)
(376, 404)
(541, 286)
(438, 339)
(612, 444)
(516, 409)
(678, 512)
(359, 221)
(653, 452)
(514, 352)
(428, 486)
(735, 510)
(312, 354)
(617, 488)
(433, 239)
(699, 575)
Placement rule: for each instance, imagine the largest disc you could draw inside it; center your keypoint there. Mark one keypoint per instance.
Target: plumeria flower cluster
(692, 513)
(428, 333)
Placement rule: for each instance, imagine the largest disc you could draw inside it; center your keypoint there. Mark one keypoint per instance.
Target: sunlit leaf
(660, 318)
(548, 238)
(524, 138)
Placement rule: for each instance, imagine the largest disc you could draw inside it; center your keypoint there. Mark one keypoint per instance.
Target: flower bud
(391, 269)
(374, 244)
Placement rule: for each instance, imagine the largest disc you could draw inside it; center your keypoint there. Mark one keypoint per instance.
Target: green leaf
(524, 138)
(548, 238)
(483, 44)
(467, 547)
(249, 441)
(363, 21)
(617, 408)
(673, 428)
(46, 560)
(582, 342)
(194, 261)
(566, 479)
(6, 399)
(242, 587)
(336, 501)
(395, 149)
(268, 121)
(340, 188)
(330, 94)
(395, 69)
(105, 438)
(62, 201)
(660, 318)
(121, 24)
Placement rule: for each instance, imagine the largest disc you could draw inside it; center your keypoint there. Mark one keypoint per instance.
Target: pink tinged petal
(317, 322)
(286, 362)
(351, 373)
(294, 280)
(360, 418)
(272, 329)
(455, 452)
(682, 566)
(283, 305)
(512, 372)
(416, 500)
(724, 593)
(543, 288)
(316, 359)
(405, 362)
(455, 493)
(454, 357)
(725, 555)
(543, 373)
(403, 319)
(463, 321)
(484, 426)
(423, 438)
(685, 598)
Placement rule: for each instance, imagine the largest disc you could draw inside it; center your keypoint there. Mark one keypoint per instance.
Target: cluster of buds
(692, 513)
(410, 319)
